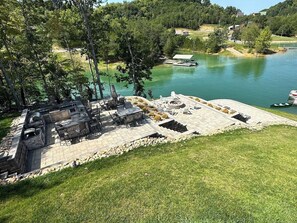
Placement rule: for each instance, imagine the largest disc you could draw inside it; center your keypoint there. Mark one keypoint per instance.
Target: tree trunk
(10, 85)
(41, 73)
(91, 43)
(133, 68)
(35, 54)
(70, 54)
(7, 96)
(93, 77)
(20, 76)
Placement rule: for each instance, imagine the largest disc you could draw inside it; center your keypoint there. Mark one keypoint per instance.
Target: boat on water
(280, 105)
(293, 97)
(292, 100)
(184, 60)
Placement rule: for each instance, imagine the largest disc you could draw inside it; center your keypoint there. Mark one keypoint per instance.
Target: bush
(210, 105)
(225, 110)
(197, 99)
(157, 118)
(141, 105)
(152, 114)
(165, 116)
(145, 109)
(232, 112)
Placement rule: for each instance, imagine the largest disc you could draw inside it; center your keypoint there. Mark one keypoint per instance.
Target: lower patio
(58, 152)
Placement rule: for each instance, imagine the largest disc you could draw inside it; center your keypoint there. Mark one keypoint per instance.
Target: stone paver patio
(258, 116)
(60, 153)
(202, 119)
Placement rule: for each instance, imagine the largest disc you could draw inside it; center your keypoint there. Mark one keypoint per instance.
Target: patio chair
(121, 100)
(116, 119)
(95, 127)
(64, 137)
(128, 105)
(187, 111)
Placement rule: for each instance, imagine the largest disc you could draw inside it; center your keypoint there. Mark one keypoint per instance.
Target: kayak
(279, 105)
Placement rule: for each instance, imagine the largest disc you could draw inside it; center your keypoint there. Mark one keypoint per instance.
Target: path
(235, 52)
(259, 117)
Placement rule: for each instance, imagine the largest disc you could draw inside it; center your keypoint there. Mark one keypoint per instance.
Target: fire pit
(176, 104)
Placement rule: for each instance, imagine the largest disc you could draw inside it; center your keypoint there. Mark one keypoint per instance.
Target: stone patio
(258, 116)
(57, 152)
(201, 118)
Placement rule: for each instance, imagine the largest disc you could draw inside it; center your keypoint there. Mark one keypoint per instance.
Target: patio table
(129, 114)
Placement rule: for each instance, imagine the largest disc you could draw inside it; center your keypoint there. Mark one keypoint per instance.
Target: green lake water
(255, 81)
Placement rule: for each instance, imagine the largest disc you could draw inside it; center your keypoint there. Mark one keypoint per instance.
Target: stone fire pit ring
(176, 104)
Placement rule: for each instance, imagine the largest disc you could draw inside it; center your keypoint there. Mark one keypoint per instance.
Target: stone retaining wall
(15, 160)
(116, 151)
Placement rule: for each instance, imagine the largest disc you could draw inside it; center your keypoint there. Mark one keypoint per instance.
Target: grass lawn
(5, 122)
(280, 113)
(283, 38)
(202, 32)
(238, 176)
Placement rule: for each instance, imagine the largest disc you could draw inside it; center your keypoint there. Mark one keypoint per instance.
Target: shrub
(210, 105)
(157, 118)
(140, 100)
(140, 105)
(204, 102)
(164, 116)
(232, 112)
(145, 110)
(152, 114)
(225, 110)
(197, 99)
(218, 108)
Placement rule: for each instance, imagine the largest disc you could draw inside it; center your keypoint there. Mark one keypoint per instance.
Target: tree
(216, 40)
(236, 35)
(263, 40)
(38, 44)
(8, 27)
(86, 9)
(249, 35)
(170, 47)
(134, 52)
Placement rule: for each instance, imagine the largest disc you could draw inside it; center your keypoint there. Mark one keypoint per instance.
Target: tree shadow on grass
(27, 188)
(4, 219)
(30, 187)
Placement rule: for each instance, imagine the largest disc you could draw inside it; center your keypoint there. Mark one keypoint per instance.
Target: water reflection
(217, 64)
(250, 67)
(184, 70)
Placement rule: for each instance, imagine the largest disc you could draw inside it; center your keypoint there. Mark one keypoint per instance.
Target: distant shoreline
(286, 41)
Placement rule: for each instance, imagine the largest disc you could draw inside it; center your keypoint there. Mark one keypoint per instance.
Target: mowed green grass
(5, 122)
(238, 176)
(283, 38)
